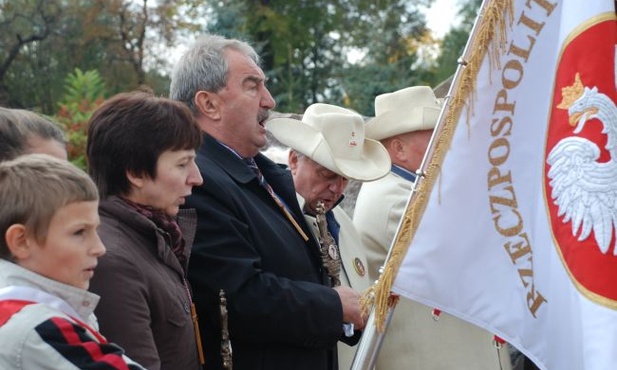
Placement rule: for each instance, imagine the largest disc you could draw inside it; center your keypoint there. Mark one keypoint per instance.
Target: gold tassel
(496, 16)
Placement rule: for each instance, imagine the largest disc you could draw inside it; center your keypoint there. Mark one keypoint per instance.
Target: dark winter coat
(282, 313)
(144, 306)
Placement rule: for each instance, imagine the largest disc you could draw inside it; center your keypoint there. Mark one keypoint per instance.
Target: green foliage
(454, 41)
(452, 48)
(125, 40)
(82, 86)
(305, 44)
(363, 83)
(391, 61)
(25, 25)
(84, 92)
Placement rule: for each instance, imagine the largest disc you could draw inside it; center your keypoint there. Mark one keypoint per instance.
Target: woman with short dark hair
(141, 155)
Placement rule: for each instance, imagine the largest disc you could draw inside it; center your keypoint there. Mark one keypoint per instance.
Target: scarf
(166, 223)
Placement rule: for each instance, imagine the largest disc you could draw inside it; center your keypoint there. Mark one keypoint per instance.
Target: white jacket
(56, 331)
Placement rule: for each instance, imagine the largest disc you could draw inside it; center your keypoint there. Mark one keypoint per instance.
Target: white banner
(519, 233)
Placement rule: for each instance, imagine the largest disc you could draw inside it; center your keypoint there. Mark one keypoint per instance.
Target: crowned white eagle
(584, 189)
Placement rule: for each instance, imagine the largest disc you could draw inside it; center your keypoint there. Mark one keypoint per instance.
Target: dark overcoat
(282, 313)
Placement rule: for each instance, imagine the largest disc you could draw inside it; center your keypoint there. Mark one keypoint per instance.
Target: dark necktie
(250, 162)
(253, 166)
(333, 226)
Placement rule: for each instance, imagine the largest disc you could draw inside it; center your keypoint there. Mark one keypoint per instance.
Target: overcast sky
(441, 15)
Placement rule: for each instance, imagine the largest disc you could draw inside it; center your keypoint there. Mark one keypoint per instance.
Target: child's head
(49, 218)
(23, 132)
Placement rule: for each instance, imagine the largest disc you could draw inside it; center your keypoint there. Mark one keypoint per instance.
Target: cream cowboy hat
(334, 137)
(407, 110)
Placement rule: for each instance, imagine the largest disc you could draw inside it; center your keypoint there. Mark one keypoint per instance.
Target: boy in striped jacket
(48, 251)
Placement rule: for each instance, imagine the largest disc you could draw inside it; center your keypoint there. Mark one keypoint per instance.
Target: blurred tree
(305, 44)
(121, 39)
(391, 61)
(24, 25)
(455, 40)
(141, 29)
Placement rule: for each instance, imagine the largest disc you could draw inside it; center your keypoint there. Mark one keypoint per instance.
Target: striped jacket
(45, 324)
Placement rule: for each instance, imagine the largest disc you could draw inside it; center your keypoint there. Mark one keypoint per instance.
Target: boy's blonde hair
(33, 188)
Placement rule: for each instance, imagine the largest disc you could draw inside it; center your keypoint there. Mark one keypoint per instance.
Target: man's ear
(208, 104)
(292, 161)
(16, 238)
(398, 149)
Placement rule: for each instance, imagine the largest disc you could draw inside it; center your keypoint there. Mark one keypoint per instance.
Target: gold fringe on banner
(491, 25)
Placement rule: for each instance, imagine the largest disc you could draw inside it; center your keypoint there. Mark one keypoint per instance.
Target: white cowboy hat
(407, 110)
(334, 137)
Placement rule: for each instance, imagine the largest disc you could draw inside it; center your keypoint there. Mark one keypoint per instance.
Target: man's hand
(352, 311)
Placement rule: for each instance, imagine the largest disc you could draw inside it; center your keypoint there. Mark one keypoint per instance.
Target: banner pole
(369, 346)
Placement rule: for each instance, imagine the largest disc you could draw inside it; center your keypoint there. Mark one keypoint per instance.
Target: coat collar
(276, 175)
(407, 175)
(115, 208)
(227, 160)
(17, 282)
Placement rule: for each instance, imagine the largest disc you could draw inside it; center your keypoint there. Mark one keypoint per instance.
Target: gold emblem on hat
(359, 266)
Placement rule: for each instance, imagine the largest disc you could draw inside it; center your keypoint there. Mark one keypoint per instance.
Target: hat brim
(392, 123)
(374, 162)
(295, 134)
